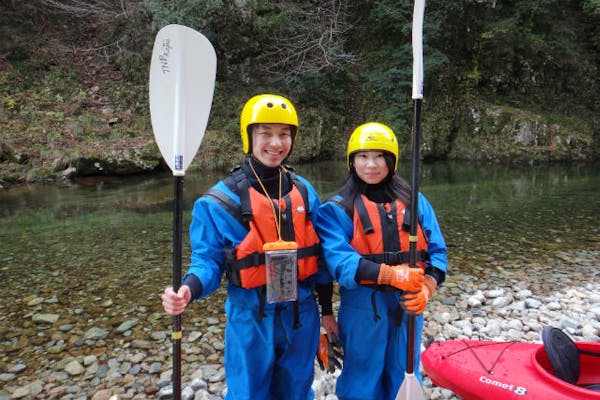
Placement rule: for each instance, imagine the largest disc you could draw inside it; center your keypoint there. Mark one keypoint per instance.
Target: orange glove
(330, 353)
(401, 277)
(416, 302)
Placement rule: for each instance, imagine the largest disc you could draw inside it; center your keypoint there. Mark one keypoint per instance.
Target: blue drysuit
(265, 358)
(374, 342)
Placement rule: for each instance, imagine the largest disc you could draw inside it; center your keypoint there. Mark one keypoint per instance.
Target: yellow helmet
(266, 109)
(373, 136)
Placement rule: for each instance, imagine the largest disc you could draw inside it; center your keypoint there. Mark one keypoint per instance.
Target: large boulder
(486, 132)
(125, 160)
(5, 152)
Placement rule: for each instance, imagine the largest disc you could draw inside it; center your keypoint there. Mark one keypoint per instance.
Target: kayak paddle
(182, 82)
(410, 388)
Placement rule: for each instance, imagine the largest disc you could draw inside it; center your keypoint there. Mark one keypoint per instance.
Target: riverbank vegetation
(512, 81)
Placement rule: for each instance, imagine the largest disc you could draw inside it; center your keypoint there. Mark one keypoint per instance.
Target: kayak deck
(475, 369)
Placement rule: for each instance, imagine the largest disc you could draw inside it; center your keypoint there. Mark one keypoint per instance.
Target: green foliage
(531, 53)
(592, 6)
(341, 63)
(198, 14)
(591, 25)
(393, 19)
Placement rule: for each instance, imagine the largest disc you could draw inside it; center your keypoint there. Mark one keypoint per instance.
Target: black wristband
(367, 271)
(325, 293)
(435, 273)
(194, 284)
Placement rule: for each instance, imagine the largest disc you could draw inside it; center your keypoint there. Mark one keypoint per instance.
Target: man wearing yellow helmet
(255, 226)
(364, 230)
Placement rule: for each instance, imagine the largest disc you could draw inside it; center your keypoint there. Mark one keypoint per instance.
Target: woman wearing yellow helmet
(255, 227)
(364, 230)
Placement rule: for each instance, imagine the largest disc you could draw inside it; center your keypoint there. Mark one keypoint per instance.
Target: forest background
(505, 81)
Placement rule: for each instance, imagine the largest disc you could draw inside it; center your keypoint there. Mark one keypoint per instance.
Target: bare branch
(317, 42)
(101, 10)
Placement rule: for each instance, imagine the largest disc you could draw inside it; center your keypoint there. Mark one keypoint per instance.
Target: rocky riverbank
(131, 360)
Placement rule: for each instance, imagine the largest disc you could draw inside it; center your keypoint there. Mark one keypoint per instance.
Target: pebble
(128, 355)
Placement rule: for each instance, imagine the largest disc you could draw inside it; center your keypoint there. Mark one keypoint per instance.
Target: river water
(112, 236)
(98, 250)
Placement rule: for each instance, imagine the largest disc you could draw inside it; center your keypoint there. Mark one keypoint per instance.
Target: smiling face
(271, 143)
(370, 166)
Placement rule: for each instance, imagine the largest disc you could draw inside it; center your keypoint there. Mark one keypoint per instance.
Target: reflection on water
(116, 233)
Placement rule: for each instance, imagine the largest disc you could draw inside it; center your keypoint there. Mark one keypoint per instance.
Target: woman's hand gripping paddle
(182, 82)
(410, 388)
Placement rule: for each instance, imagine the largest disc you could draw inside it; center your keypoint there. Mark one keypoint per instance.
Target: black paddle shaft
(414, 217)
(177, 251)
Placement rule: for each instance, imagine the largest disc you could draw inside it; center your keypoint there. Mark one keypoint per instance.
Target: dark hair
(401, 189)
(384, 192)
(392, 187)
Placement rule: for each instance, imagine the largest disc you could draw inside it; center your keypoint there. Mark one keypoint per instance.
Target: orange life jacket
(245, 264)
(381, 233)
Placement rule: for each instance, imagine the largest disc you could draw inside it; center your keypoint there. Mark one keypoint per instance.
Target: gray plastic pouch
(281, 260)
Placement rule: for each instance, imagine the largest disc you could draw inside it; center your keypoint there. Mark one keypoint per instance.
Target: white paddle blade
(410, 389)
(182, 82)
(417, 47)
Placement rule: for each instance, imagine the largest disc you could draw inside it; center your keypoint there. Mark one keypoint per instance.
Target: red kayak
(559, 369)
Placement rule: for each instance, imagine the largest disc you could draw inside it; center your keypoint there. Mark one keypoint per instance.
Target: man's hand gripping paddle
(182, 81)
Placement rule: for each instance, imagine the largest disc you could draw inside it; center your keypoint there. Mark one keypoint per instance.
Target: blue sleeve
(335, 228)
(436, 242)
(212, 230)
(313, 198)
(322, 276)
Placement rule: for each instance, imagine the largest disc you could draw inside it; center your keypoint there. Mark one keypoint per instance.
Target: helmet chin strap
(262, 169)
(276, 212)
